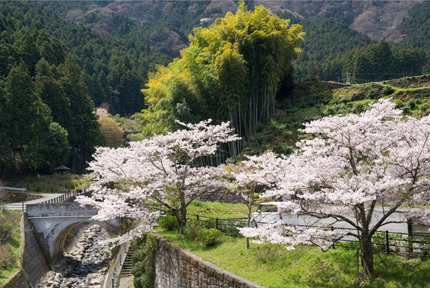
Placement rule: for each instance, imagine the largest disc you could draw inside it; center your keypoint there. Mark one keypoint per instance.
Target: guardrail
(114, 271)
(405, 244)
(59, 199)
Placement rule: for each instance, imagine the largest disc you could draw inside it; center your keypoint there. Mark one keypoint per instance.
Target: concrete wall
(17, 280)
(35, 260)
(178, 268)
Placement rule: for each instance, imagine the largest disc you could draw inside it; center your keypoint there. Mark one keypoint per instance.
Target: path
(45, 197)
(126, 282)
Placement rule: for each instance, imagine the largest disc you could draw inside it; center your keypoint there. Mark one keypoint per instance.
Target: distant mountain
(332, 28)
(376, 19)
(414, 31)
(172, 21)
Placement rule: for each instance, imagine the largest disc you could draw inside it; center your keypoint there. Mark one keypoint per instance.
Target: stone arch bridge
(55, 222)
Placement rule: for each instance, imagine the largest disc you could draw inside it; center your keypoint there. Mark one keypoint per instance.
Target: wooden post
(387, 242)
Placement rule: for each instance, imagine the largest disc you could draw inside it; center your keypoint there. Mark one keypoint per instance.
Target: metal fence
(111, 277)
(405, 244)
(65, 196)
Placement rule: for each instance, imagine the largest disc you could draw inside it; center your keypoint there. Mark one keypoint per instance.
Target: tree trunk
(366, 253)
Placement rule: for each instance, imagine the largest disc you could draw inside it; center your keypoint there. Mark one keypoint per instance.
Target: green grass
(13, 243)
(217, 210)
(49, 183)
(275, 267)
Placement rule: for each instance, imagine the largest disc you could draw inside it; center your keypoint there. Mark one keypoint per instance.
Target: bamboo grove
(230, 71)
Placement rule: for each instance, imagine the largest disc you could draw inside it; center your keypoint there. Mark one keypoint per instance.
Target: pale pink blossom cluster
(354, 165)
(291, 236)
(162, 170)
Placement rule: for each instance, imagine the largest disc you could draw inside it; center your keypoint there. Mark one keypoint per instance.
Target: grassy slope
(275, 267)
(313, 99)
(217, 210)
(14, 243)
(49, 183)
(272, 266)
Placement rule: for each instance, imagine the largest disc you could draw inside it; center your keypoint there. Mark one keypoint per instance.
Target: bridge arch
(54, 222)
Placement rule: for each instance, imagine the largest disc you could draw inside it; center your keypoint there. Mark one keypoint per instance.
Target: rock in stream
(84, 266)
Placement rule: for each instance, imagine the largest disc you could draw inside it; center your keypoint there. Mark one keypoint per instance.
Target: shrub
(372, 93)
(209, 236)
(274, 125)
(259, 127)
(283, 149)
(359, 108)
(6, 257)
(8, 222)
(168, 223)
(345, 100)
(191, 230)
(143, 268)
(424, 246)
(388, 90)
(287, 133)
(411, 104)
(258, 138)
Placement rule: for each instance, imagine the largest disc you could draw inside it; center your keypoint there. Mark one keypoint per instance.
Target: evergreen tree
(82, 125)
(25, 116)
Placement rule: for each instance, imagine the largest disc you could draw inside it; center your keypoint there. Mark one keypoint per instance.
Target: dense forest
(54, 73)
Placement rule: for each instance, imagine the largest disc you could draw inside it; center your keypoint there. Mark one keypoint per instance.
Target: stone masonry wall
(178, 268)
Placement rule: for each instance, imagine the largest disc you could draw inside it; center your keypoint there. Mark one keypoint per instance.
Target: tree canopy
(162, 170)
(230, 71)
(353, 164)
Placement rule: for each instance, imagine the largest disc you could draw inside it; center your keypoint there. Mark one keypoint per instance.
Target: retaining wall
(176, 267)
(32, 259)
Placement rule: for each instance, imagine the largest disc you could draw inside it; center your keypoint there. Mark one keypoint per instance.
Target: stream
(84, 266)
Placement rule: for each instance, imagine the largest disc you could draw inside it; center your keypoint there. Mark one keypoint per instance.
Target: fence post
(216, 223)
(387, 242)
(410, 237)
(22, 206)
(197, 217)
(332, 228)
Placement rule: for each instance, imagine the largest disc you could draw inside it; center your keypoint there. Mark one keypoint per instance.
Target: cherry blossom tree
(251, 177)
(161, 170)
(354, 164)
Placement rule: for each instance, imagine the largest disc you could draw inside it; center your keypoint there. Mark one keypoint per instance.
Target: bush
(191, 230)
(8, 222)
(143, 269)
(209, 236)
(168, 223)
(359, 108)
(6, 257)
(258, 138)
(388, 90)
(345, 100)
(372, 93)
(259, 127)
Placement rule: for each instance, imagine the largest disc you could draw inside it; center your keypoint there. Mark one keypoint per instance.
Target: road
(19, 205)
(392, 227)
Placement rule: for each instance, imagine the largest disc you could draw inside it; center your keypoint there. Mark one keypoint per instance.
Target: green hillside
(313, 99)
(414, 31)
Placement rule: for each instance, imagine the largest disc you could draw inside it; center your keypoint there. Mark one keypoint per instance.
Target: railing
(59, 199)
(405, 244)
(114, 271)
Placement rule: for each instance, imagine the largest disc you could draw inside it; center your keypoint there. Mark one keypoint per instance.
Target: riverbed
(84, 266)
